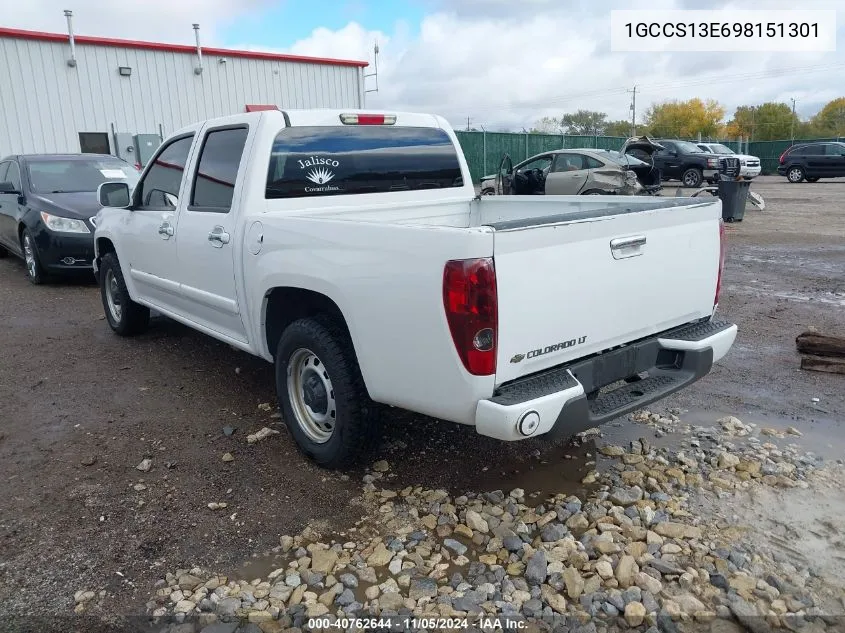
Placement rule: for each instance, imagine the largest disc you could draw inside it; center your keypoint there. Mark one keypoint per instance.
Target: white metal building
(66, 93)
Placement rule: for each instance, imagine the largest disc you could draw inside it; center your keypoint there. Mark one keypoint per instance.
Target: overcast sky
(502, 63)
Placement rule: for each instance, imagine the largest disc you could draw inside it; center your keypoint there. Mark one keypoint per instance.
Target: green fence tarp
(484, 150)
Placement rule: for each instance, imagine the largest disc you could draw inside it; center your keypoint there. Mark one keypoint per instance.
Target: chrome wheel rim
(29, 256)
(311, 395)
(690, 179)
(113, 296)
(795, 175)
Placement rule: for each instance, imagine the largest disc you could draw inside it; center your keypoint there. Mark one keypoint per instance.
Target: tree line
(706, 118)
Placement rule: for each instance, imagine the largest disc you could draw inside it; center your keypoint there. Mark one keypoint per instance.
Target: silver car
(574, 172)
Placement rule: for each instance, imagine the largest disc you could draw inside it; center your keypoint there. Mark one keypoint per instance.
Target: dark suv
(811, 161)
(685, 161)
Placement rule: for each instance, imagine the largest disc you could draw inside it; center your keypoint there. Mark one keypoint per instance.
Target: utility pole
(792, 124)
(468, 122)
(633, 109)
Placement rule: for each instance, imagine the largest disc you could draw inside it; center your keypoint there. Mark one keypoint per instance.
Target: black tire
(355, 424)
(692, 177)
(795, 174)
(488, 191)
(3, 252)
(32, 262)
(131, 318)
(813, 179)
(595, 192)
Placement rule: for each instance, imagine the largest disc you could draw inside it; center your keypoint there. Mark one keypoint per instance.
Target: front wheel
(795, 174)
(34, 270)
(322, 394)
(692, 177)
(125, 317)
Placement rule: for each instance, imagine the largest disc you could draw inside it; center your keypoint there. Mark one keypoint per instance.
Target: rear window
(325, 161)
(626, 160)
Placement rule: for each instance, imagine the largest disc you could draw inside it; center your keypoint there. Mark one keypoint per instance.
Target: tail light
(469, 297)
(782, 158)
(368, 119)
(722, 246)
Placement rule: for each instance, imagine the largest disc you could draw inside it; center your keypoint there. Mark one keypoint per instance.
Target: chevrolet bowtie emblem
(517, 358)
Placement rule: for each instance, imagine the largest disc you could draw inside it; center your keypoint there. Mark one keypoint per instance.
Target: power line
(736, 77)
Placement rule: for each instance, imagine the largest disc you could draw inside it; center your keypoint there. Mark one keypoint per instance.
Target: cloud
(156, 20)
(505, 65)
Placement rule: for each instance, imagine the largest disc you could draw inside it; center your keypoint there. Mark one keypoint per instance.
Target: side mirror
(114, 194)
(7, 187)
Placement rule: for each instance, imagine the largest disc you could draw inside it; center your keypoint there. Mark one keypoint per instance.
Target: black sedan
(47, 202)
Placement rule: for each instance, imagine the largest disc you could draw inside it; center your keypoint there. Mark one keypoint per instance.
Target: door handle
(165, 230)
(624, 247)
(218, 237)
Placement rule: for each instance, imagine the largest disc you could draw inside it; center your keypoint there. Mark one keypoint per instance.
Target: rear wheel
(595, 192)
(692, 177)
(489, 191)
(34, 270)
(125, 317)
(813, 179)
(322, 394)
(795, 174)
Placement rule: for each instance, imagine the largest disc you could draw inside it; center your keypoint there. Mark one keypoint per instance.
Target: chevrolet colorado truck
(351, 250)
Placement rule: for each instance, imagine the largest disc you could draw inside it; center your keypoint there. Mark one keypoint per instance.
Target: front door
(208, 239)
(150, 231)
(835, 154)
(568, 175)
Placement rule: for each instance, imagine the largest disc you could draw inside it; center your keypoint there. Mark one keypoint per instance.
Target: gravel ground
(83, 409)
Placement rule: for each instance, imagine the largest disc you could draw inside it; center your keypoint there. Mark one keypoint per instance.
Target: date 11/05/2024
(404, 623)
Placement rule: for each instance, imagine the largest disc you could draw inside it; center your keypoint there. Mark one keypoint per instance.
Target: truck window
(160, 186)
(325, 161)
(220, 158)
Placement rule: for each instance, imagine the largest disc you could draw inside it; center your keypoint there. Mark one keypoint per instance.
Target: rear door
(8, 212)
(207, 232)
(815, 160)
(591, 278)
(568, 174)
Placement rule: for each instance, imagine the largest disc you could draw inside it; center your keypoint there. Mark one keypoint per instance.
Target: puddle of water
(558, 471)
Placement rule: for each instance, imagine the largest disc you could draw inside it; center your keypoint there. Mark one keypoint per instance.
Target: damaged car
(569, 172)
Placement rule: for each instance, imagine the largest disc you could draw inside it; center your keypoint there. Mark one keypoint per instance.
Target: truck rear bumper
(569, 399)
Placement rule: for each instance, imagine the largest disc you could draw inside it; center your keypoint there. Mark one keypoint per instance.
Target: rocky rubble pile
(626, 554)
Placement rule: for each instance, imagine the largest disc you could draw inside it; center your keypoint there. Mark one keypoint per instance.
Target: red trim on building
(173, 48)
(259, 108)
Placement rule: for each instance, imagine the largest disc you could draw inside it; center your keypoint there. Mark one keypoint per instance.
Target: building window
(94, 142)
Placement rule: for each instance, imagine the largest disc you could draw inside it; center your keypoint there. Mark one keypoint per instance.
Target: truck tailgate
(574, 284)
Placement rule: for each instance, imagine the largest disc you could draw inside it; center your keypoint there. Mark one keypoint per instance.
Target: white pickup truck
(351, 250)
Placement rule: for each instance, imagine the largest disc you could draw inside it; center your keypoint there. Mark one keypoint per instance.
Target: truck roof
(323, 117)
